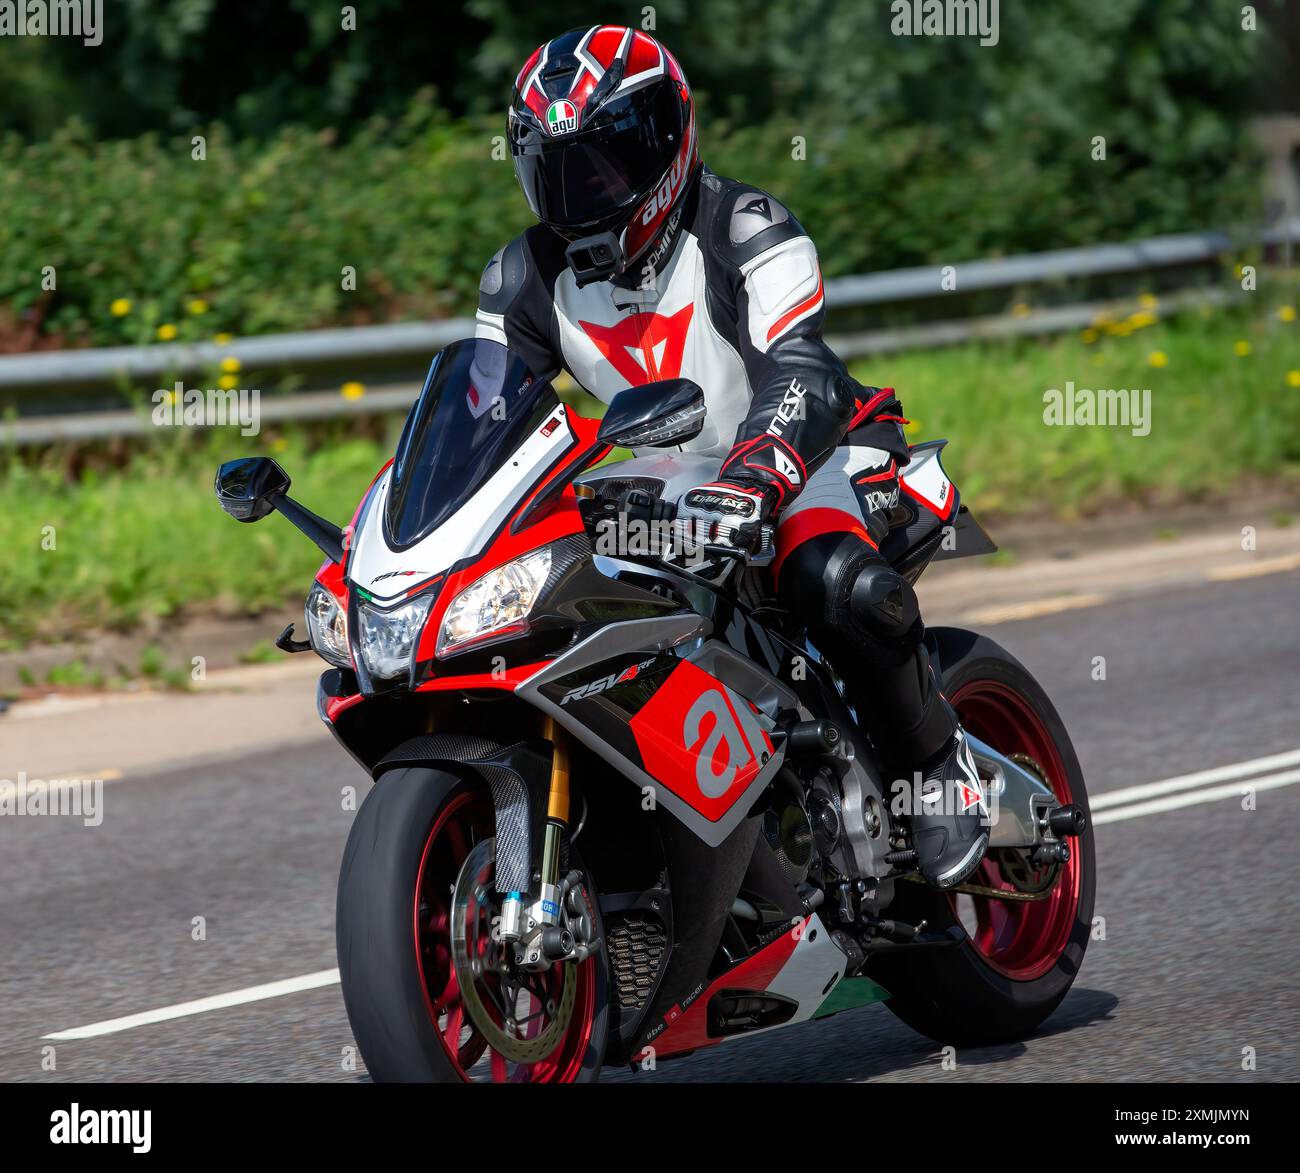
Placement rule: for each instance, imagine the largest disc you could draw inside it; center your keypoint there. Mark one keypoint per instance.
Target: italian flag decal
(561, 117)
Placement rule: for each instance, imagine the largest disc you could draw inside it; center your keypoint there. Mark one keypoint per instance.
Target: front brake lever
(762, 545)
(757, 540)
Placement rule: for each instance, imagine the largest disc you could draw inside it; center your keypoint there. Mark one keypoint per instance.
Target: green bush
(254, 237)
(259, 233)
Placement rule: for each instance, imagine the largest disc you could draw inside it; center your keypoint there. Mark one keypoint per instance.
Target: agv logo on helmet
(561, 117)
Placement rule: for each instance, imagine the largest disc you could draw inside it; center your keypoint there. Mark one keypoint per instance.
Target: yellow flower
(1020, 310)
(1090, 335)
(1148, 301)
(197, 306)
(228, 382)
(223, 339)
(352, 390)
(1241, 348)
(1293, 378)
(1142, 318)
(1286, 313)
(279, 444)
(120, 308)
(1158, 358)
(166, 332)
(912, 427)
(1103, 319)
(230, 364)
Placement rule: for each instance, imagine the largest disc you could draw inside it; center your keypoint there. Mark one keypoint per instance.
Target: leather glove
(732, 513)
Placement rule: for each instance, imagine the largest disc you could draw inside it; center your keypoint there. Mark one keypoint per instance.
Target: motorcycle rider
(646, 265)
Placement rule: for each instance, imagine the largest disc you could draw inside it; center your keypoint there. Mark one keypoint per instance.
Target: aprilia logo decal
(702, 740)
(714, 731)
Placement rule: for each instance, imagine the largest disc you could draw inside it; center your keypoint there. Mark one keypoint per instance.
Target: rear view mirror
(654, 415)
(248, 488)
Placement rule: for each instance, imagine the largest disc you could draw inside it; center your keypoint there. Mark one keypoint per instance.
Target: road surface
(1195, 974)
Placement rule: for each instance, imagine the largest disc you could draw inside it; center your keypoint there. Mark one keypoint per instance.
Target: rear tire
(394, 963)
(1002, 983)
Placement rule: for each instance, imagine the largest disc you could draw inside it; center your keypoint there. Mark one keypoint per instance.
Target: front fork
(536, 928)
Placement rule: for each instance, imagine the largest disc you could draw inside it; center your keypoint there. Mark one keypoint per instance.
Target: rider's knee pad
(882, 605)
(844, 589)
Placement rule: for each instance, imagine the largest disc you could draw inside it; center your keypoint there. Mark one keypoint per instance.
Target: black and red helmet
(602, 130)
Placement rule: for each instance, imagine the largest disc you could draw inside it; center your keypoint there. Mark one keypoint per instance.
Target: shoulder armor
(750, 222)
(503, 277)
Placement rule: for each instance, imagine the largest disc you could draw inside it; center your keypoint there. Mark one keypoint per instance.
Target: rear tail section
(930, 521)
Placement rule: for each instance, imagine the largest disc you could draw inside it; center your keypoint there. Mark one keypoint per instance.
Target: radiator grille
(636, 946)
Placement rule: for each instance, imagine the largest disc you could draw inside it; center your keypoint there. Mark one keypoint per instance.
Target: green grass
(1216, 418)
(148, 539)
(262, 652)
(145, 537)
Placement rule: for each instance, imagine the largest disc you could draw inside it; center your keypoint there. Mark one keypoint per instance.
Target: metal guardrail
(358, 348)
(402, 350)
(317, 405)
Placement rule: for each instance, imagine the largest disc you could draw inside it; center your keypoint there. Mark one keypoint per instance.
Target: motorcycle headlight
(327, 627)
(387, 638)
(499, 600)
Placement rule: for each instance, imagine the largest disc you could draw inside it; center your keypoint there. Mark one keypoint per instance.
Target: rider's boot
(948, 831)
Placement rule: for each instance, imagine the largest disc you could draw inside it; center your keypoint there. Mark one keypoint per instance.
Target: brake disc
(500, 999)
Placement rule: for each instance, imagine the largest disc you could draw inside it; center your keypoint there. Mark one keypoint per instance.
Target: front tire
(409, 840)
(1018, 959)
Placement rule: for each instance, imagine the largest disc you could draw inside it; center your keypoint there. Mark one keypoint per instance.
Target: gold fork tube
(557, 802)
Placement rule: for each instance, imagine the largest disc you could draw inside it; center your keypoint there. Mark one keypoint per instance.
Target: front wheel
(418, 833)
(1019, 956)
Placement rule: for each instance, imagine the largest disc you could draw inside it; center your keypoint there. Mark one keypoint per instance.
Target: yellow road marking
(1251, 569)
(1034, 608)
(70, 778)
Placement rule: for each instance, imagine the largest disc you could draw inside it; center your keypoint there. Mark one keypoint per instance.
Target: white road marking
(294, 985)
(1169, 794)
(1202, 778)
(1212, 794)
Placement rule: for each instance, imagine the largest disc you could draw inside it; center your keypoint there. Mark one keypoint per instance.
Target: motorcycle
(623, 809)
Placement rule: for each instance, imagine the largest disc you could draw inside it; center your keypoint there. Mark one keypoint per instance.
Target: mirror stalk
(326, 535)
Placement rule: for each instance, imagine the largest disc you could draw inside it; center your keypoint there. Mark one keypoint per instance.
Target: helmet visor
(586, 180)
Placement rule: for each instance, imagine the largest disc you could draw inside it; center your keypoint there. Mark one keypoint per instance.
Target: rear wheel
(1020, 956)
(418, 834)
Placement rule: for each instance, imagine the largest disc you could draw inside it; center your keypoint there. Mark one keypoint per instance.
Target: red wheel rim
(462, 823)
(1022, 940)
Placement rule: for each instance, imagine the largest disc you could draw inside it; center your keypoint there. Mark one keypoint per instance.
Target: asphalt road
(1200, 903)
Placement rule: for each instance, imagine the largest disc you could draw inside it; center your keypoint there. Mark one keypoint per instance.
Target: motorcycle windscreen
(478, 404)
